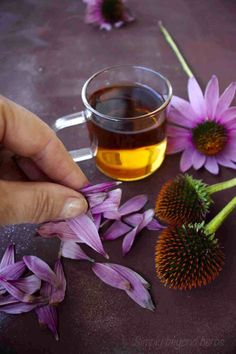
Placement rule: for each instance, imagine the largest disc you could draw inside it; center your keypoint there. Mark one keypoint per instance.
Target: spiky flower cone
(187, 258)
(186, 200)
(190, 256)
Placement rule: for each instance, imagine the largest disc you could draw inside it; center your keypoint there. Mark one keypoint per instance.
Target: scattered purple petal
(134, 204)
(72, 250)
(117, 229)
(13, 271)
(155, 225)
(15, 292)
(112, 202)
(110, 276)
(58, 294)
(41, 269)
(99, 188)
(47, 316)
(129, 240)
(18, 308)
(97, 220)
(28, 285)
(87, 232)
(8, 257)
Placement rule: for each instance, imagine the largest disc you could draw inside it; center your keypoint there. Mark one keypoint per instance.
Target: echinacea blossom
(126, 279)
(107, 13)
(204, 128)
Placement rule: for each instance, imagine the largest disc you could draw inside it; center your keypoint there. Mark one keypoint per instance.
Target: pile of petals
(31, 284)
(204, 128)
(107, 13)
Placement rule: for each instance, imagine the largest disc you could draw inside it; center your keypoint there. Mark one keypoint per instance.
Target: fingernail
(74, 207)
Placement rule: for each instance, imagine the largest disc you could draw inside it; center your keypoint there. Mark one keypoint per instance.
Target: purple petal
(198, 160)
(134, 220)
(129, 240)
(15, 292)
(184, 108)
(98, 188)
(223, 160)
(13, 271)
(196, 97)
(134, 204)
(28, 285)
(228, 115)
(8, 257)
(17, 308)
(180, 132)
(176, 145)
(112, 202)
(7, 300)
(117, 229)
(58, 294)
(186, 159)
(88, 233)
(225, 99)
(147, 218)
(97, 220)
(211, 165)
(110, 276)
(178, 118)
(96, 199)
(155, 225)
(41, 269)
(212, 96)
(72, 250)
(47, 316)
(112, 215)
(59, 229)
(138, 291)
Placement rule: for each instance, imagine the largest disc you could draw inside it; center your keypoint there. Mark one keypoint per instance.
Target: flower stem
(176, 50)
(216, 222)
(221, 186)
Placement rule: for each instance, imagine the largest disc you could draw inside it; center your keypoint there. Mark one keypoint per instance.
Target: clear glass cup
(125, 116)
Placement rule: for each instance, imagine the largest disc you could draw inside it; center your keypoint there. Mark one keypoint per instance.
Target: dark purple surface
(46, 54)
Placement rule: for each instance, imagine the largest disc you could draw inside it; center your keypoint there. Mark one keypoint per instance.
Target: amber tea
(129, 146)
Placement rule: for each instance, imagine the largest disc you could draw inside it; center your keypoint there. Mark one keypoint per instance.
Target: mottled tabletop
(46, 54)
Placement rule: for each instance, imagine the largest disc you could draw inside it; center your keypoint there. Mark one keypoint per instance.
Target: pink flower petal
(96, 199)
(196, 97)
(138, 291)
(228, 115)
(211, 165)
(58, 229)
(225, 99)
(7, 300)
(178, 118)
(8, 257)
(58, 293)
(28, 285)
(15, 292)
(112, 215)
(155, 225)
(47, 316)
(41, 269)
(198, 160)
(184, 108)
(13, 271)
(117, 229)
(84, 227)
(223, 160)
(176, 131)
(186, 159)
(97, 218)
(134, 219)
(110, 276)
(134, 204)
(98, 188)
(72, 250)
(18, 308)
(175, 145)
(212, 96)
(129, 240)
(112, 202)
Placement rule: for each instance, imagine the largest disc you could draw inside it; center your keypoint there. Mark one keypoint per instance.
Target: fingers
(26, 135)
(36, 202)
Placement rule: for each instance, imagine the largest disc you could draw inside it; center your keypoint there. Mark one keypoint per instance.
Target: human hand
(25, 135)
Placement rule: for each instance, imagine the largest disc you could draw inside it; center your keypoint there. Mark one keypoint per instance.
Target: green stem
(221, 186)
(216, 222)
(176, 50)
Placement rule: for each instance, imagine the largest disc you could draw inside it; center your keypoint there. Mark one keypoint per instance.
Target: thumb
(36, 202)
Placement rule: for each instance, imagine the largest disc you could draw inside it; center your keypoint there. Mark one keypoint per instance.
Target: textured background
(46, 53)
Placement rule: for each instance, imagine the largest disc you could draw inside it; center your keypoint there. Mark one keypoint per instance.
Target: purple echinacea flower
(203, 129)
(107, 13)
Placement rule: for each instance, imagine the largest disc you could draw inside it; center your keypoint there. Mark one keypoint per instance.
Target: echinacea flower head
(107, 13)
(204, 128)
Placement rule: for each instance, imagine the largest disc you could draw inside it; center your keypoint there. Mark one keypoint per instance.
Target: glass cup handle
(69, 121)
